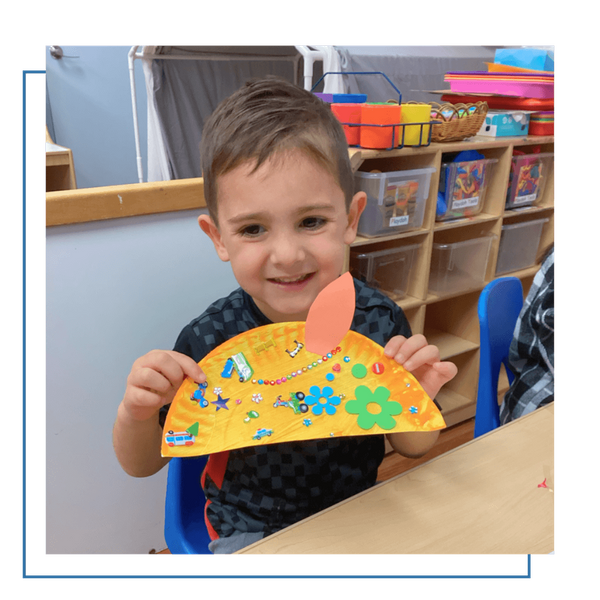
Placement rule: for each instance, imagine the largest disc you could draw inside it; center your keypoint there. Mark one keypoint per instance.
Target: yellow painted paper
(276, 352)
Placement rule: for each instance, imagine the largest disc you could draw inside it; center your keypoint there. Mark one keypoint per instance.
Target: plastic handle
(360, 73)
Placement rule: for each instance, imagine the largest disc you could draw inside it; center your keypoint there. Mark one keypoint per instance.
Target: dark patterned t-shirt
(266, 488)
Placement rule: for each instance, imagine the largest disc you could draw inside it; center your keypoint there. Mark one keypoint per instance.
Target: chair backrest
(185, 528)
(498, 309)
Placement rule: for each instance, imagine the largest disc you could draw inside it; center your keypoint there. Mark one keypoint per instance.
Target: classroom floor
(393, 464)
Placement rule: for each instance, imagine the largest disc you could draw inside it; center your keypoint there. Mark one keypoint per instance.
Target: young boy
(282, 209)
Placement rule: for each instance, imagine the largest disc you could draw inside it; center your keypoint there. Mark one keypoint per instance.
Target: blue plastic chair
(499, 306)
(185, 528)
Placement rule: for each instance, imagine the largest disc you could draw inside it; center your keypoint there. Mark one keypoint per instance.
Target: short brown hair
(267, 116)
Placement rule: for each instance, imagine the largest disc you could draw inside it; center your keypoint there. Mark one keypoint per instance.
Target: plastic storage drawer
(518, 245)
(528, 176)
(385, 270)
(395, 200)
(459, 266)
(463, 186)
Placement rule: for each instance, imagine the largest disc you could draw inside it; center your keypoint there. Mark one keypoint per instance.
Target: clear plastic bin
(395, 200)
(459, 266)
(385, 270)
(528, 176)
(463, 186)
(519, 244)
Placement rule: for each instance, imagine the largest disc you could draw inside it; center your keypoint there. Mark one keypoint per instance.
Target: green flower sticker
(382, 408)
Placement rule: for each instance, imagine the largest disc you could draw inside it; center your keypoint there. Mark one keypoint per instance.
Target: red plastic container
(349, 113)
(542, 123)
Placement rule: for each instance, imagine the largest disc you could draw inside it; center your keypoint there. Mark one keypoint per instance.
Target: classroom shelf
(60, 170)
(450, 321)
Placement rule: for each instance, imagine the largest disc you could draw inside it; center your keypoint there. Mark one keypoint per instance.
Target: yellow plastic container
(416, 113)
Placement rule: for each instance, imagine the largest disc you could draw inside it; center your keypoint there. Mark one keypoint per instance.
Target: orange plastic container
(380, 114)
(349, 113)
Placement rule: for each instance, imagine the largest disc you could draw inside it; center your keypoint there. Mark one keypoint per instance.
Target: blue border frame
(525, 575)
(24, 312)
(25, 576)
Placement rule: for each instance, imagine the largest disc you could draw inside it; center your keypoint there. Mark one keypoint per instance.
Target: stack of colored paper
(516, 84)
(505, 86)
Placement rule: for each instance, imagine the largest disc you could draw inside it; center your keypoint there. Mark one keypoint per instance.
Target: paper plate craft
(297, 381)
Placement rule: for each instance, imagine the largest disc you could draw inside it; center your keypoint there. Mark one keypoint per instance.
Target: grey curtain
(188, 91)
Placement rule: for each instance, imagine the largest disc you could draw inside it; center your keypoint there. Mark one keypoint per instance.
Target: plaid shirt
(531, 355)
(266, 488)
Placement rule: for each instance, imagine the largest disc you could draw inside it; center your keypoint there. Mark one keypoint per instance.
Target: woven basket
(464, 122)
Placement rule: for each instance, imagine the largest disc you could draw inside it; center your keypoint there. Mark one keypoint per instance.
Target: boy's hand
(422, 360)
(153, 381)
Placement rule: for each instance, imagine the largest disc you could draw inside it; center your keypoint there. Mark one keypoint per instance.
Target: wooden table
(483, 497)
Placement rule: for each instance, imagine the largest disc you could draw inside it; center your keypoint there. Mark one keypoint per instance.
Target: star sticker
(221, 402)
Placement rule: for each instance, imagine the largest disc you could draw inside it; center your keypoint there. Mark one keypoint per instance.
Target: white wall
(115, 290)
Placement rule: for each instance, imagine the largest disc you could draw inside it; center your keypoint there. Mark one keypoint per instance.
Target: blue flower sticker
(322, 400)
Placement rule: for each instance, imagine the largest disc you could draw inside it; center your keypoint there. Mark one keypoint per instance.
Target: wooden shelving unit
(60, 170)
(450, 321)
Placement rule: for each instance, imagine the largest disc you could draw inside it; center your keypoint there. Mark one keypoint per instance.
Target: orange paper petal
(330, 315)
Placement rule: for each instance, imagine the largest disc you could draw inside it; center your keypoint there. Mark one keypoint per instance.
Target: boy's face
(284, 229)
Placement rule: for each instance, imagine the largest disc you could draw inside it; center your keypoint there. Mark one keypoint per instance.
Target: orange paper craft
(294, 394)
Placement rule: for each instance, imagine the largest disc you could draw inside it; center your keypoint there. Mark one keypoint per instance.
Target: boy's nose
(287, 250)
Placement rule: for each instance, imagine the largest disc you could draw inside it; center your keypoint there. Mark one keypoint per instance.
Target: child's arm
(153, 381)
(423, 361)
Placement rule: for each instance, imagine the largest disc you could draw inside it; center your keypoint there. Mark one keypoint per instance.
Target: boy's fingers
(446, 369)
(189, 366)
(146, 398)
(173, 365)
(427, 355)
(150, 379)
(394, 344)
(409, 347)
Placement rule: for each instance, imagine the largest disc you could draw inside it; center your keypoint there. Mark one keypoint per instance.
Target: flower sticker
(382, 415)
(322, 400)
(256, 398)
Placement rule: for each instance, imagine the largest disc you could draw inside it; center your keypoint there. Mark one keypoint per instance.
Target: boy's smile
(284, 229)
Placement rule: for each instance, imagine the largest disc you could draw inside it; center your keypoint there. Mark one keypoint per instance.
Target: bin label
(398, 221)
(524, 198)
(465, 202)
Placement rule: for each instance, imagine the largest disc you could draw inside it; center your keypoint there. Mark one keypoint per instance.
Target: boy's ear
(359, 201)
(212, 231)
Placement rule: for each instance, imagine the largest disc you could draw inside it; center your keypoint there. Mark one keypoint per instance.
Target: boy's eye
(313, 222)
(251, 230)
